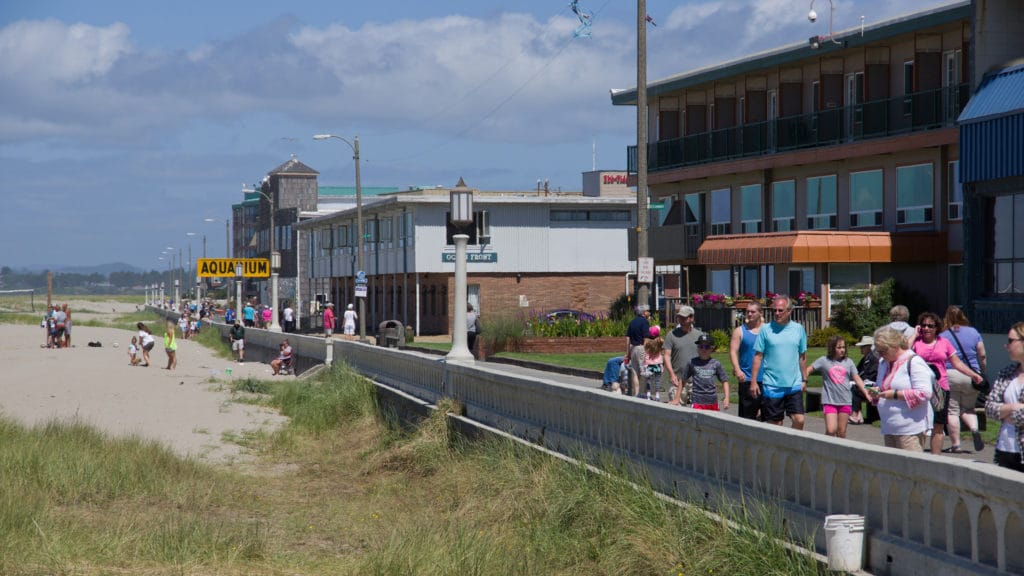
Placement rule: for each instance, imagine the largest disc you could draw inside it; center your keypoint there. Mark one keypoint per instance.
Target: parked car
(567, 314)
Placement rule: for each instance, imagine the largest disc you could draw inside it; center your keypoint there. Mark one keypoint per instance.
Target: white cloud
(41, 51)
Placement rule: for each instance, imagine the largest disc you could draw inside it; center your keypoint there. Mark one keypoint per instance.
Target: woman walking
(1006, 403)
(902, 394)
(962, 394)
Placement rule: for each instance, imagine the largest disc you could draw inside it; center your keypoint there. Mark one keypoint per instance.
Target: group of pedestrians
(57, 325)
(349, 318)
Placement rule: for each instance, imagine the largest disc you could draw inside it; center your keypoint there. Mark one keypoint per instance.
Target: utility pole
(643, 291)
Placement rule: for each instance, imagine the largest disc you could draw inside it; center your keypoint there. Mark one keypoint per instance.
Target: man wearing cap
(329, 320)
(741, 355)
(636, 332)
(680, 348)
(237, 337)
(780, 358)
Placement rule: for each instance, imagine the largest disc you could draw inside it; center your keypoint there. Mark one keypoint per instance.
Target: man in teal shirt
(780, 357)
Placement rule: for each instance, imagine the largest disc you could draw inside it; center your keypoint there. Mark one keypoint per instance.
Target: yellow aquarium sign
(225, 267)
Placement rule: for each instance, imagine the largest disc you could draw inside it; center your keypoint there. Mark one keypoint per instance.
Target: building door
(951, 78)
(473, 295)
(773, 114)
(854, 105)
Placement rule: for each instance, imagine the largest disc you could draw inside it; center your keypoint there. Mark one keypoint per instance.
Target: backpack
(938, 399)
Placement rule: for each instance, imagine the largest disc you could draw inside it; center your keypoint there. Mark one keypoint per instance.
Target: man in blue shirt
(780, 357)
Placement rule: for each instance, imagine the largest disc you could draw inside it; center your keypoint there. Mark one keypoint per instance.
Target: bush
(503, 333)
(861, 313)
(819, 338)
(621, 307)
(721, 339)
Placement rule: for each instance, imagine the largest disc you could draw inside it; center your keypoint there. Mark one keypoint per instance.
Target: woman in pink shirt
(937, 351)
(329, 320)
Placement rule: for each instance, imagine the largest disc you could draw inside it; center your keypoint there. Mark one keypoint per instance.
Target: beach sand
(188, 409)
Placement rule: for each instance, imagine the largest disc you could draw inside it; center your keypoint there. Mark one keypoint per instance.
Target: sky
(127, 125)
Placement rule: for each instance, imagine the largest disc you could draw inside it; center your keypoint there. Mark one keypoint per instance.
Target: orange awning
(804, 247)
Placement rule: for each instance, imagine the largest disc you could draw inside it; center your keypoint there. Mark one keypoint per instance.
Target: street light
(275, 256)
(354, 145)
(461, 199)
(238, 291)
(227, 237)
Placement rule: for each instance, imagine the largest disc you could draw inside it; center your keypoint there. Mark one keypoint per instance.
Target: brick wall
(499, 293)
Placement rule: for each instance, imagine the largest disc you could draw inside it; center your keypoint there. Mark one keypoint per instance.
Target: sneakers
(979, 443)
(657, 397)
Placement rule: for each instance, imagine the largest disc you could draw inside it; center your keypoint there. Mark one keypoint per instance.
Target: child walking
(653, 363)
(837, 373)
(702, 372)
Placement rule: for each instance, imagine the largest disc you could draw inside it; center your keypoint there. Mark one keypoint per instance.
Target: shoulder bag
(985, 385)
(938, 399)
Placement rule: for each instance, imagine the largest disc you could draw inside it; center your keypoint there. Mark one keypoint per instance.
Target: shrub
(721, 339)
(819, 338)
(862, 312)
(503, 333)
(621, 307)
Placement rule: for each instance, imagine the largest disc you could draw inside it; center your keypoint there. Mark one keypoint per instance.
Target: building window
(914, 194)
(1005, 250)
(584, 215)
(750, 209)
(405, 231)
(720, 211)
(482, 220)
(955, 288)
(801, 279)
(386, 239)
(908, 87)
(866, 195)
(568, 215)
(821, 202)
(341, 236)
(369, 234)
(783, 206)
(692, 217)
(955, 191)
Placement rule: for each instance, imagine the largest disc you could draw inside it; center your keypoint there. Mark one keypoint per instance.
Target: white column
(274, 325)
(460, 351)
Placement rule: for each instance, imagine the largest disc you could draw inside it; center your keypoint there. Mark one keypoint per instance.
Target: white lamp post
(177, 295)
(238, 290)
(354, 145)
(461, 215)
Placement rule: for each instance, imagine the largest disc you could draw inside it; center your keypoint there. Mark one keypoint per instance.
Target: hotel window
(405, 231)
(720, 211)
(1005, 250)
(750, 209)
(914, 194)
(956, 191)
(866, 195)
(821, 202)
(692, 216)
(783, 206)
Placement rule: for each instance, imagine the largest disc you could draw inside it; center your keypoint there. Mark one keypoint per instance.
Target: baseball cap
(685, 311)
(704, 340)
(654, 332)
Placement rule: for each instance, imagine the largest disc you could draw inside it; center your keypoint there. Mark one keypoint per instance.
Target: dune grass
(343, 489)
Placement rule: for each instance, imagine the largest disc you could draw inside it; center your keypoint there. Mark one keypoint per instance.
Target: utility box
(390, 333)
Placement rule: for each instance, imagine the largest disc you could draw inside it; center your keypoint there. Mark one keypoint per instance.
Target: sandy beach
(187, 409)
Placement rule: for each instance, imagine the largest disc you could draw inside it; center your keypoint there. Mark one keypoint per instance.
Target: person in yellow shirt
(171, 346)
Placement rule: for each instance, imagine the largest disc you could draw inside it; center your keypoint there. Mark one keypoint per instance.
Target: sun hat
(865, 341)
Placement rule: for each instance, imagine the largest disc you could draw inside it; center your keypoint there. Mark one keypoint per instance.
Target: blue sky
(125, 124)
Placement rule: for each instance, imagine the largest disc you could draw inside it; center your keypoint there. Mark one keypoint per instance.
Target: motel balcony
(917, 112)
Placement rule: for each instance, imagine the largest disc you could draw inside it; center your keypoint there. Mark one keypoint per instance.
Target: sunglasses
(928, 326)
(1010, 341)
(778, 310)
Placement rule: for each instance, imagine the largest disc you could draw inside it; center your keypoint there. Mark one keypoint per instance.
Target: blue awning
(992, 128)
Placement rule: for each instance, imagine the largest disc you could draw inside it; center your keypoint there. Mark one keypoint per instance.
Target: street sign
(656, 205)
(360, 290)
(489, 257)
(225, 267)
(361, 278)
(645, 270)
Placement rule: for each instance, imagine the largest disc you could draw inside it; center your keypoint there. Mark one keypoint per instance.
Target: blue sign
(361, 277)
(474, 257)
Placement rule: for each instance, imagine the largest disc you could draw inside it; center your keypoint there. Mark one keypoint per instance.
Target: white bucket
(844, 542)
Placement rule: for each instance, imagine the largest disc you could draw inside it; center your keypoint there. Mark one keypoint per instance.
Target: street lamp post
(238, 291)
(354, 145)
(274, 325)
(461, 215)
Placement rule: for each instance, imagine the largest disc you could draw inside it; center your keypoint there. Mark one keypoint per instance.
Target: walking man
(780, 358)
(741, 354)
(237, 337)
(636, 332)
(680, 348)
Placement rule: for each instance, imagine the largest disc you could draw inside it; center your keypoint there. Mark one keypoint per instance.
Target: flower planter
(741, 304)
(812, 304)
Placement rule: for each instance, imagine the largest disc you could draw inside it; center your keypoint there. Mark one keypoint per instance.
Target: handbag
(938, 399)
(985, 385)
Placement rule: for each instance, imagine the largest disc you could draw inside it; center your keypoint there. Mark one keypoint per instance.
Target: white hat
(349, 306)
(329, 304)
(865, 341)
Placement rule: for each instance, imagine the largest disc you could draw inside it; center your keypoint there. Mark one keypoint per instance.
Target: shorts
(837, 409)
(911, 442)
(775, 409)
(328, 332)
(940, 416)
(712, 407)
(962, 395)
(148, 347)
(238, 345)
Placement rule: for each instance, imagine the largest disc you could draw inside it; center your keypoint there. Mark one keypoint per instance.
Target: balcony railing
(902, 114)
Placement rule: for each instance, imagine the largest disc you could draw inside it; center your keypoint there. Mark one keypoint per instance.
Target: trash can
(390, 333)
(844, 542)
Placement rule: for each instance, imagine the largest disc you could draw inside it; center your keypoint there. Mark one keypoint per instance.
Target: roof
(1000, 93)
(346, 191)
(799, 51)
(294, 168)
(992, 128)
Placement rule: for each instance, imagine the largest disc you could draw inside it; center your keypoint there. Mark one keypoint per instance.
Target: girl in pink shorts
(838, 375)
